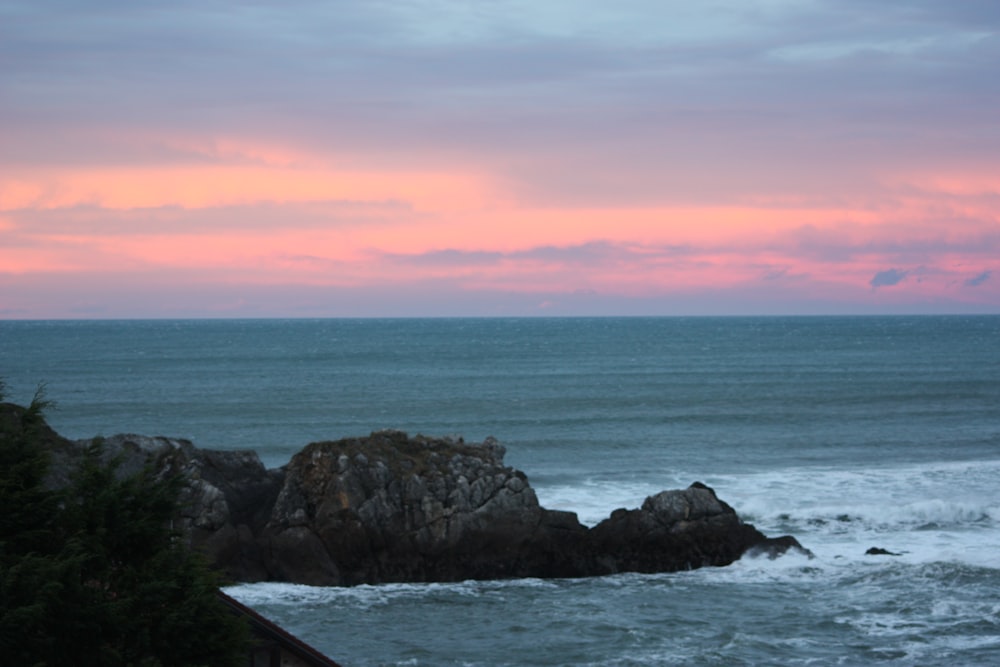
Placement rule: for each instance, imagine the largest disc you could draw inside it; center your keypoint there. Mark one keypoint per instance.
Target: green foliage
(28, 506)
(92, 574)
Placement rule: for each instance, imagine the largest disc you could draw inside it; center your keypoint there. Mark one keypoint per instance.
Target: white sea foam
(277, 593)
(970, 484)
(933, 512)
(594, 500)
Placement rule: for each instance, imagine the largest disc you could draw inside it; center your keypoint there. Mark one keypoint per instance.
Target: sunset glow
(380, 162)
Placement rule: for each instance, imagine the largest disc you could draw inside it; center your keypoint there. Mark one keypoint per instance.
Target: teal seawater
(848, 432)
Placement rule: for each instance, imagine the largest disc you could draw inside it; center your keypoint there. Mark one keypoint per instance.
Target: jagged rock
(674, 530)
(393, 508)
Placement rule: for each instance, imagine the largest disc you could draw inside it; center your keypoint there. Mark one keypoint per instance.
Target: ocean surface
(847, 432)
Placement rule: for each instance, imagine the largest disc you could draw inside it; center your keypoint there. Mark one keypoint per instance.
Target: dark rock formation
(879, 551)
(773, 547)
(391, 508)
(678, 530)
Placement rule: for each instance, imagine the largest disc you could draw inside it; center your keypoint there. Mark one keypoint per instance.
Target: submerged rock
(774, 547)
(879, 551)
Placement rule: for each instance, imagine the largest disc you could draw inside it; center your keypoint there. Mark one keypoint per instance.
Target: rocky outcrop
(393, 508)
(674, 530)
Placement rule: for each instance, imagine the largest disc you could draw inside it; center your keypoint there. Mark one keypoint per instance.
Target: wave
(950, 493)
(926, 513)
(930, 514)
(373, 595)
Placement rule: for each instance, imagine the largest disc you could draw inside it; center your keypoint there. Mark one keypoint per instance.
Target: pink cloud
(831, 154)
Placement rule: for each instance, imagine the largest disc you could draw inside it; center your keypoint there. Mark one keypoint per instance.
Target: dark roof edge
(287, 639)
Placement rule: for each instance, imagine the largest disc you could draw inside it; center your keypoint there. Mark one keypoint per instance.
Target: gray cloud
(596, 252)
(449, 258)
(887, 278)
(838, 245)
(593, 254)
(978, 280)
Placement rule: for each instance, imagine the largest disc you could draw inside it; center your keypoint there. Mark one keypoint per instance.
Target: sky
(357, 158)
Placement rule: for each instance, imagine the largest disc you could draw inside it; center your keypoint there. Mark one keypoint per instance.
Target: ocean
(847, 432)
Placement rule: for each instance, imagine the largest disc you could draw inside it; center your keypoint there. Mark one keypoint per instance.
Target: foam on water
(942, 511)
(293, 595)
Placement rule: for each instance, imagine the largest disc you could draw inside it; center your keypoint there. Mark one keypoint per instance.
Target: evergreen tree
(92, 574)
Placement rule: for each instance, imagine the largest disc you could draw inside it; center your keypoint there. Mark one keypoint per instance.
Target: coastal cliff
(393, 508)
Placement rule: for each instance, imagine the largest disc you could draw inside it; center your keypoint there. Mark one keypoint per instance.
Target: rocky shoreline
(393, 508)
